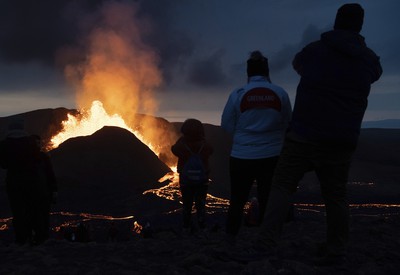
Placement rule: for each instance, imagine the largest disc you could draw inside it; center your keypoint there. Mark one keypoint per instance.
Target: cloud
(54, 32)
(173, 46)
(208, 72)
(29, 77)
(35, 30)
(283, 58)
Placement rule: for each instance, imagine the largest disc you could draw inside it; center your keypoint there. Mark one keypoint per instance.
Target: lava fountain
(90, 121)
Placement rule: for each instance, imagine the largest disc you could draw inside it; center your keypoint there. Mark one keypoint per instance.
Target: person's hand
(54, 197)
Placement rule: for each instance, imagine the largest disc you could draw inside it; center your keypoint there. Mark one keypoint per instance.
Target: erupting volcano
(116, 82)
(114, 87)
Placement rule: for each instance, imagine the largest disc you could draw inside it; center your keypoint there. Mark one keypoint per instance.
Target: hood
(346, 42)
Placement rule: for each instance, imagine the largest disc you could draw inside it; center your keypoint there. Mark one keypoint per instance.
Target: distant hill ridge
(386, 123)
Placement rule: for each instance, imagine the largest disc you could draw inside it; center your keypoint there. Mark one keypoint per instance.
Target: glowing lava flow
(171, 192)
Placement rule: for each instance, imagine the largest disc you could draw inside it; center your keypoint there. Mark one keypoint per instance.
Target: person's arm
(297, 62)
(176, 149)
(378, 69)
(229, 115)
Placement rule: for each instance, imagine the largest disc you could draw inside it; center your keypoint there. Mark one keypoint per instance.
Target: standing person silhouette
(193, 141)
(45, 193)
(336, 76)
(19, 156)
(257, 116)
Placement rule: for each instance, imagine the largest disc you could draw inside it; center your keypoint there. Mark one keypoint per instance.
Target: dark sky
(201, 46)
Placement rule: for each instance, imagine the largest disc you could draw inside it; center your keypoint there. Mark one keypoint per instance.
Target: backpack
(194, 171)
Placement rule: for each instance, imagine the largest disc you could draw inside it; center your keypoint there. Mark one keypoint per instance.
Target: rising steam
(121, 72)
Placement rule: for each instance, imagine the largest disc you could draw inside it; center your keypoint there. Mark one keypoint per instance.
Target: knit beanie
(257, 64)
(349, 17)
(193, 129)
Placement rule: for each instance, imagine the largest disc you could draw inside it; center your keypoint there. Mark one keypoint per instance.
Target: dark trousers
(196, 194)
(21, 208)
(243, 174)
(331, 165)
(41, 221)
(30, 215)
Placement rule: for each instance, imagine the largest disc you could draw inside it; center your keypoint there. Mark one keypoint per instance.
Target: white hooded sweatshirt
(257, 115)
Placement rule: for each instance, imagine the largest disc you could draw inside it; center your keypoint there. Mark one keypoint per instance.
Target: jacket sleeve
(176, 149)
(304, 57)
(229, 114)
(297, 62)
(378, 69)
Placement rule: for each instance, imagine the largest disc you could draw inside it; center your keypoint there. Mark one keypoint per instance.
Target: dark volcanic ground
(103, 177)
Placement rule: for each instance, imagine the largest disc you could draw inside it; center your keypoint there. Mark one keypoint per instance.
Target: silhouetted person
(336, 75)
(19, 156)
(45, 194)
(257, 116)
(191, 142)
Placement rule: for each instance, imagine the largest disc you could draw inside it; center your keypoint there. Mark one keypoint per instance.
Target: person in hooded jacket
(336, 76)
(46, 192)
(19, 156)
(193, 141)
(257, 116)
